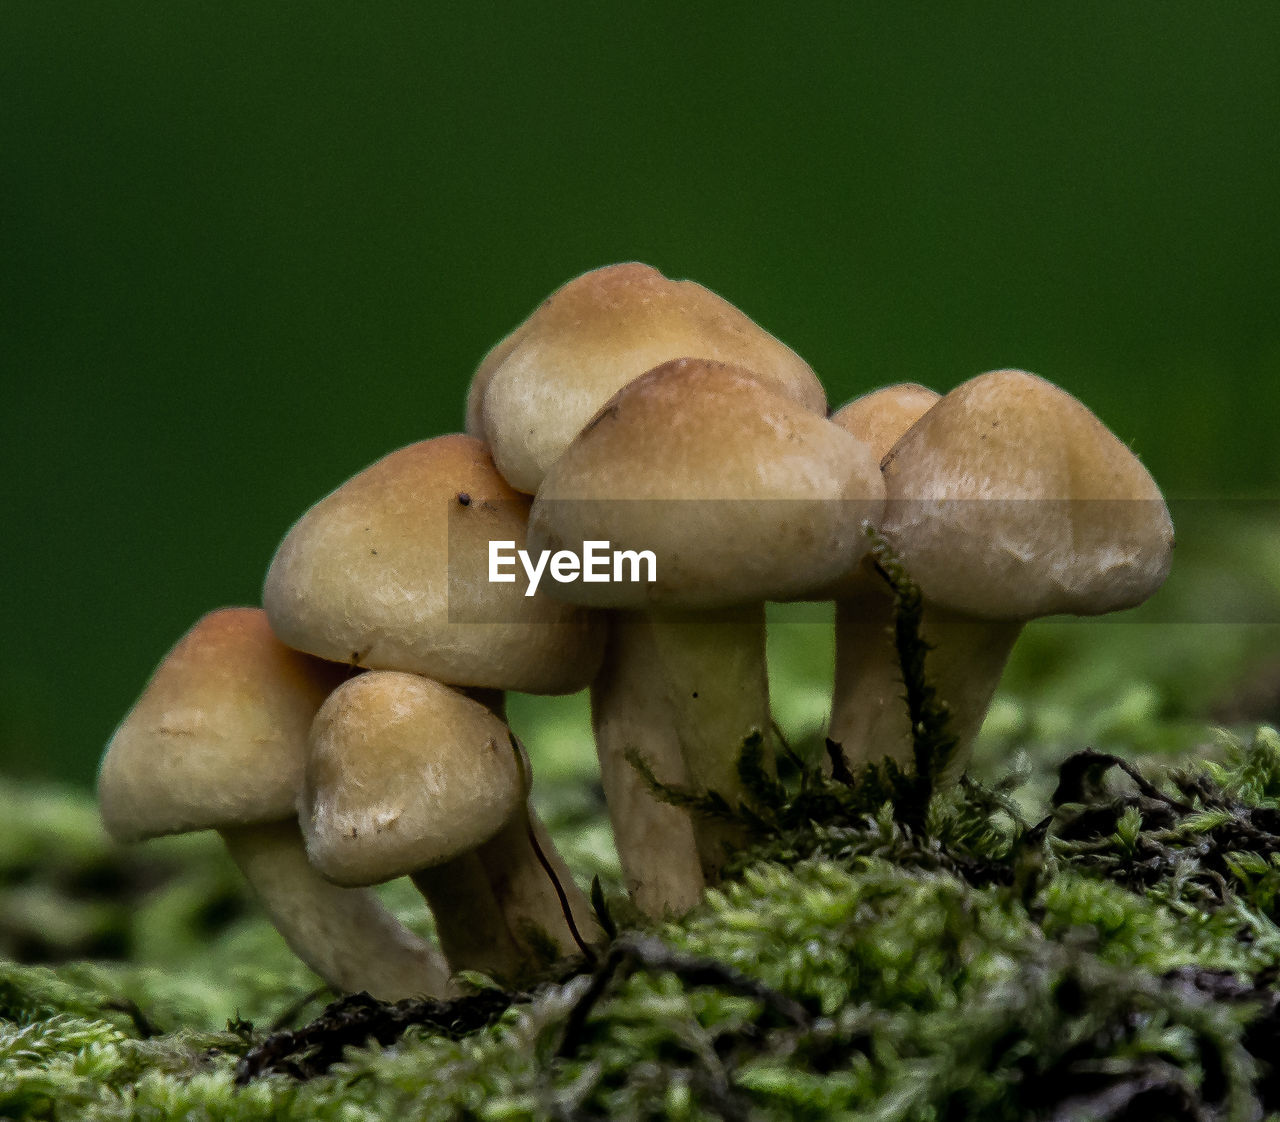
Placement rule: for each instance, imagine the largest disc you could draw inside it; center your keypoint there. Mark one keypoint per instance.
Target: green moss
(933, 982)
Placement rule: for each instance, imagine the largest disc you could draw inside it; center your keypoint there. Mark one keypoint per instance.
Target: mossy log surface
(1115, 958)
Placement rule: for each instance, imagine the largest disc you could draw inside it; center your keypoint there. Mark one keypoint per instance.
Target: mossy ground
(1113, 962)
(1054, 943)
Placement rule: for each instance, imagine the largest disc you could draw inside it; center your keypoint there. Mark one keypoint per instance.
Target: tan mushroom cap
(742, 494)
(404, 774)
(390, 571)
(1010, 500)
(218, 737)
(881, 417)
(593, 336)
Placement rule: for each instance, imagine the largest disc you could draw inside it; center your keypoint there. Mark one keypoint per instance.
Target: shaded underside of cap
(218, 736)
(390, 572)
(403, 774)
(599, 332)
(741, 493)
(1010, 500)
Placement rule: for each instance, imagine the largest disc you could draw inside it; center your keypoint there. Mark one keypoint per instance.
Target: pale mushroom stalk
(869, 715)
(525, 888)
(522, 886)
(655, 840)
(345, 935)
(717, 689)
(470, 922)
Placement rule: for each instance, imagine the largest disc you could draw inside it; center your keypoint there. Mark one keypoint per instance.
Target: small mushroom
(217, 741)
(1008, 500)
(743, 496)
(408, 777)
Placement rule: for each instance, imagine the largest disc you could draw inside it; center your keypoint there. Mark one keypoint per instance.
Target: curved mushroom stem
(345, 935)
(470, 923)
(655, 840)
(526, 891)
(869, 716)
(522, 887)
(718, 691)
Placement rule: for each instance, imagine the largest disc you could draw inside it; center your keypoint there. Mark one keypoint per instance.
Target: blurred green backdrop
(246, 249)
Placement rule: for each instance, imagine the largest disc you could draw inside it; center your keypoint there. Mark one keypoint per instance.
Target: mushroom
(537, 388)
(390, 572)
(530, 396)
(217, 741)
(866, 678)
(742, 495)
(1008, 500)
(408, 777)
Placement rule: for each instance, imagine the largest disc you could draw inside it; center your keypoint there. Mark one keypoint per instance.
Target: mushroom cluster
(352, 730)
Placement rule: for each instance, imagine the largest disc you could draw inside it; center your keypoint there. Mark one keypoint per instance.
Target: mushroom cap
(881, 417)
(390, 571)
(403, 774)
(218, 737)
(1010, 500)
(593, 336)
(742, 494)
(878, 419)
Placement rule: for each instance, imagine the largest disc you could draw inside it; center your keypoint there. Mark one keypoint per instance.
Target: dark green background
(247, 249)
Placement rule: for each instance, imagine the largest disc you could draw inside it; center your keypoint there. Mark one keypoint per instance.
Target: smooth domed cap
(596, 334)
(390, 572)
(880, 418)
(218, 737)
(403, 774)
(1010, 500)
(741, 494)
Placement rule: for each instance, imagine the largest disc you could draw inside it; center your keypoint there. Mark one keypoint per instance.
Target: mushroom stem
(524, 891)
(869, 715)
(718, 692)
(470, 923)
(345, 935)
(655, 840)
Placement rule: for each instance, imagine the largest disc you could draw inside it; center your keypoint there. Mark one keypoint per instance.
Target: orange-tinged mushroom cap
(218, 737)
